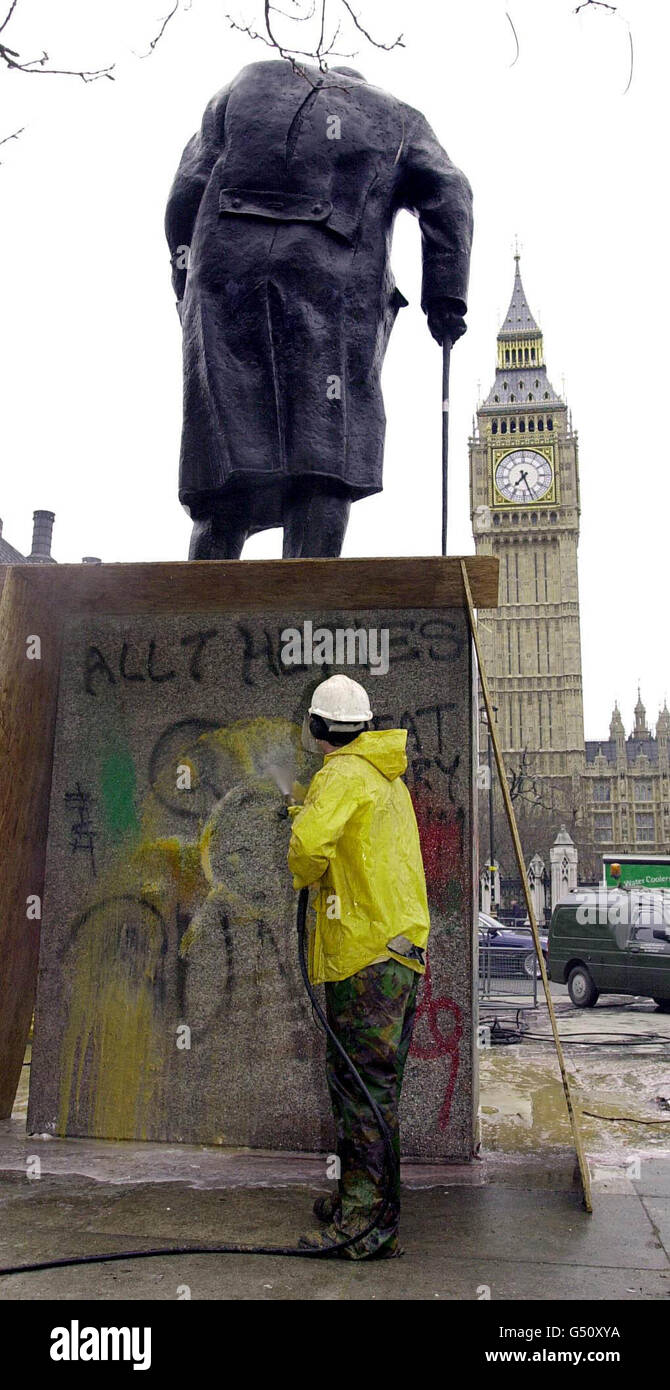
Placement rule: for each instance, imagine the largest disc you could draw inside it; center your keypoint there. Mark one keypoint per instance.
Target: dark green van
(611, 941)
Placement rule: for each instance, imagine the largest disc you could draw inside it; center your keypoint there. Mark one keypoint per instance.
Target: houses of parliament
(613, 793)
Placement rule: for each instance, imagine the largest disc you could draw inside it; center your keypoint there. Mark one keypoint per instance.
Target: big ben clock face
(524, 475)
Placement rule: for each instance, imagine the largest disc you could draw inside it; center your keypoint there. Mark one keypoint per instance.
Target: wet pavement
(510, 1225)
(618, 1058)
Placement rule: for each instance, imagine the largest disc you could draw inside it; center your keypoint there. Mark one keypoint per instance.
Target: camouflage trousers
(372, 1014)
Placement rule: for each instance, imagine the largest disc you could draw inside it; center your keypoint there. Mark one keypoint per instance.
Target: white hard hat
(341, 701)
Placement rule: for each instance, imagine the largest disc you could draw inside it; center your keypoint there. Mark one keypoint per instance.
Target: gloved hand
(446, 321)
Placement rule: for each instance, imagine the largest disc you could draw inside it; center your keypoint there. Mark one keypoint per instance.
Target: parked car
(512, 951)
(611, 941)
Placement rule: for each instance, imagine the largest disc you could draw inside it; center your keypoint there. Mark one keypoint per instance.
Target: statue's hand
(443, 323)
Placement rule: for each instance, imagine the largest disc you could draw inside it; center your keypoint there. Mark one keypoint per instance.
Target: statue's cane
(446, 355)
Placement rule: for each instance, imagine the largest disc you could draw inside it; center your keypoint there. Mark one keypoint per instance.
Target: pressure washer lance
(330, 1251)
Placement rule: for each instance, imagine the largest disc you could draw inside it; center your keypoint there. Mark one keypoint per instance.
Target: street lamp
(484, 719)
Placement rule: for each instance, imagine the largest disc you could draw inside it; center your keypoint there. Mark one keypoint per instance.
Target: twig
(324, 47)
(516, 39)
(37, 65)
(4, 24)
(613, 10)
(397, 43)
(161, 31)
(599, 4)
(13, 60)
(13, 136)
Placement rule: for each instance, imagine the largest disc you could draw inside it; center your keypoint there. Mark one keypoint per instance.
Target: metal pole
(491, 847)
(514, 831)
(446, 357)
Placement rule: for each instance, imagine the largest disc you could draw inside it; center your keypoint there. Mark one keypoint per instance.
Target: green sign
(637, 872)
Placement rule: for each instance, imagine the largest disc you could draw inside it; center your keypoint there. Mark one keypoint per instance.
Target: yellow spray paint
(113, 1063)
(112, 1051)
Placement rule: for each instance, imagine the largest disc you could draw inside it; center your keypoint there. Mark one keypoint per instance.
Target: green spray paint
(117, 787)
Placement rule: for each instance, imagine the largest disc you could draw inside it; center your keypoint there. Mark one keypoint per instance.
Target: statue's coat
(289, 298)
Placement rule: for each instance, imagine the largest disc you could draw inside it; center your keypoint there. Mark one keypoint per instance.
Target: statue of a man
(279, 224)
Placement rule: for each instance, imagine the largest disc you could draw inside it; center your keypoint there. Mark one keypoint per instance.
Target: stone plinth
(170, 1005)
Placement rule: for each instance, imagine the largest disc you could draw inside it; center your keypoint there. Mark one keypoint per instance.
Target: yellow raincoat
(357, 835)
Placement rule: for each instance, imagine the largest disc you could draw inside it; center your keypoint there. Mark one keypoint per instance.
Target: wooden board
(28, 696)
(405, 582)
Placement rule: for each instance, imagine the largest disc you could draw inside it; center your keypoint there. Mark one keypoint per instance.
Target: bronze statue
(279, 224)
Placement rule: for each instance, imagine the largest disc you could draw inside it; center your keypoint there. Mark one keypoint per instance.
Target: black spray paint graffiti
(82, 833)
(143, 667)
(177, 744)
(435, 640)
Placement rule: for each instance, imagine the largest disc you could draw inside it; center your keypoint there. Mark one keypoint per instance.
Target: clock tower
(524, 494)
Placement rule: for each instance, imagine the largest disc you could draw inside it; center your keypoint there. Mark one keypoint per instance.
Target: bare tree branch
(13, 136)
(524, 785)
(16, 62)
(13, 60)
(516, 39)
(599, 4)
(612, 10)
(324, 46)
(38, 66)
(161, 31)
(584, 5)
(397, 43)
(632, 59)
(5, 22)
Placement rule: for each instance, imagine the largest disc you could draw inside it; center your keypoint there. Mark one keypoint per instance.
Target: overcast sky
(556, 153)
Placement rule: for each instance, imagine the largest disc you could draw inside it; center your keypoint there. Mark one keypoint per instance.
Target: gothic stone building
(613, 794)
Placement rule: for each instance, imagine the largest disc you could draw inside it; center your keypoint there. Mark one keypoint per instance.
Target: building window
(507, 354)
(537, 385)
(644, 827)
(550, 423)
(546, 395)
(494, 427)
(521, 386)
(602, 827)
(512, 426)
(532, 354)
(525, 354)
(512, 398)
(540, 424)
(643, 791)
(504, 385)
(496, 398)
(531, 426)
(602, 791)
(503, 427)
(522, 426)
(530, 395)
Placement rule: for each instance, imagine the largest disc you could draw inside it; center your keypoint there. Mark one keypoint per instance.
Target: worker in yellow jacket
(356, 839)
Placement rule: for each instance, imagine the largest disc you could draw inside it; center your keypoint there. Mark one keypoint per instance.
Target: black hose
(330, 1251)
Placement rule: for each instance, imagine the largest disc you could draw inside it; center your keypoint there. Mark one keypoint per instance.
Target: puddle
(523, 1110)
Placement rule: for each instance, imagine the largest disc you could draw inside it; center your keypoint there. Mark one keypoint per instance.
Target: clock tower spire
(524, 492)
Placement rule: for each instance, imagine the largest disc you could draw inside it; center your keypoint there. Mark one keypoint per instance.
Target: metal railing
(508, 974)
